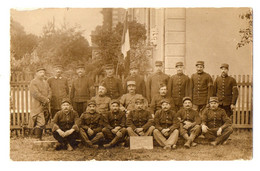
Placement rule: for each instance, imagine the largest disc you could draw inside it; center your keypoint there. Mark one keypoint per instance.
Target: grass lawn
(239, 147)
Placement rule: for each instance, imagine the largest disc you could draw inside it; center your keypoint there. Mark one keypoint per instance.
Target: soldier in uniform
(113, 84)
(80, 93)
(59, 88)
(90, 126)
(225, 88)
(114, 125)
(102, 101)
(216, 125)
(41, 95)
(201, 87)
(139, 80)
(127, 101)
(179, 86)
(166, 126)
(65, 128)
(189, 122)
(156, 101)
(139, 121)
(154, 81)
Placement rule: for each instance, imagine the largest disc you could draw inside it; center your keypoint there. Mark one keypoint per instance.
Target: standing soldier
(59, 88)
(140, 84)
(41, 95)
(225, 88)
(80, 93)
(154, 81)
(216, 125)
(166, 131)
(179, 86)
(190, 122)
(102, 101)
(201, 87)
(114, 125)
(113, 84)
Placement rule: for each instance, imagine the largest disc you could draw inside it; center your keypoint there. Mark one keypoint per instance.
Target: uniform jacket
(102, 103)
(40, 93)
(216, 118)
(156, 103)
(112, 120)
(166, 119)
(179, 87)
(92, 121)
(201, 87)
(225, 88)
(140, 85)
(153, 84)
(65, 121)
(60, 89)
(128, 101)
(80, 90)
(114, 87)
(189, 115)
(139, 119)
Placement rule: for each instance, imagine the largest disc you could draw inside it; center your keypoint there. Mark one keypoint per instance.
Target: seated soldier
(156, 101)
(114, 125)
(139, 121)
(102, 101)
(216, 125)
(127, 101)
(90, 126)
(190, 122)
(166, 126)
(65, 129)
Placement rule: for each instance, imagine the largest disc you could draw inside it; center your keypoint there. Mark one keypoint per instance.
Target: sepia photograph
(131, 84)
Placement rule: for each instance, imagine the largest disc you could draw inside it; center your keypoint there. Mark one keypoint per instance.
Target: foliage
(246, 33)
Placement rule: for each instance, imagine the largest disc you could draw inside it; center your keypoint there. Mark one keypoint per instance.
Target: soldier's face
(139, 105)
(224, 71)
(65, 107)
(91, 108)
(131, 88)
(158, 68)
(213, 105)
(163, 91)
(80, 71)
(133, 71)
(110, 71)
(187, 104)
(102, 90)
(114, 107)
(57, 71)
(40, 74)
(200, 68)
(179, 69)
(166, 106)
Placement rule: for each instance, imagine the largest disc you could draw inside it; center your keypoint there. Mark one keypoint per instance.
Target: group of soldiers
(163, 107)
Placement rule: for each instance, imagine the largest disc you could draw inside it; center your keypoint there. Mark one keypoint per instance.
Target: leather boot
(112, 143)
(38, 133)
(85, 138)
(187, 144)
(97, 138)
(186, 137)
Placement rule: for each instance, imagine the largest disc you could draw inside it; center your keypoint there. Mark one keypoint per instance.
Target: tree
(246, 33)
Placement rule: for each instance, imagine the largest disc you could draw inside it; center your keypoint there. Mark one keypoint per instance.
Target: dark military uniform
(215, 119)
(140, 84)
(66, 121)
(128, 101)
(102, 103)
(113, 86)
(164, 120)
(156, 103)
(60, 89)
(178, 88)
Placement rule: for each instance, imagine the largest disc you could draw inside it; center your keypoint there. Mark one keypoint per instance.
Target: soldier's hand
(219, 131)
(232, 107)
(139, 130)
(68, 132)
(122, 108)
(204, 128)
(163, 131)
(152, 115)
(61, 133)
(114, 131)
(90, 132)
(187, 124)
(119, 134)
(141, 133)
(118, 128)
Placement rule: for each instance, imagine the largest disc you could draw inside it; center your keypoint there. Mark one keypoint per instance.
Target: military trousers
(196, 130)
(149, 131)
(166, 141)
(110, 136)
(96, 138)
(71, 139)
(211, 134)
(37, 121)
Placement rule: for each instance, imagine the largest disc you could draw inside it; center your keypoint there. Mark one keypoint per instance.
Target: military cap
(109, 66)
(162, 85)
(186, 98)
(158, 63)
(80, 65)
(40, 68)
(179, 64)
(57, 65)
(115, 101)
(224, 65)
(200, 63)
(92, 102)
(165, 101)
(131, 83)
(213, 99)
(139, 99)
(102, 85)
(133, 66)
(65, 100)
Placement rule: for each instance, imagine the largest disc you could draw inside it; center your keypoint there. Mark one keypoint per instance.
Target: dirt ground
(239, 147)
